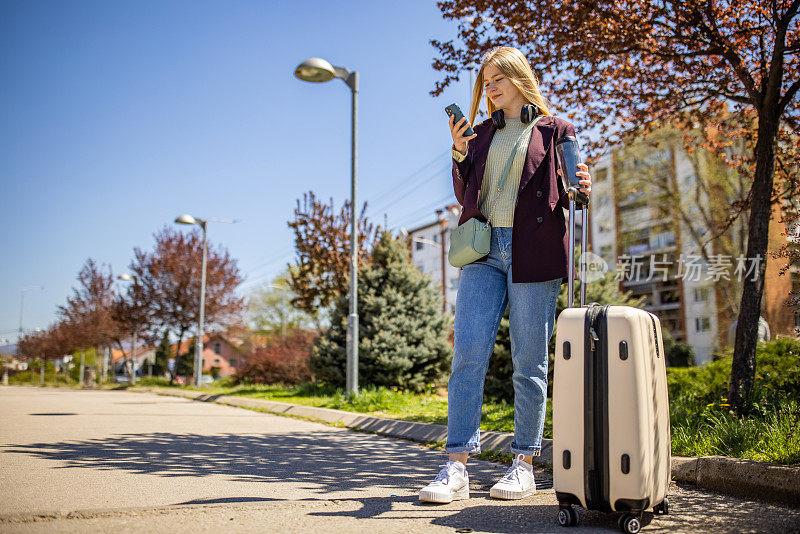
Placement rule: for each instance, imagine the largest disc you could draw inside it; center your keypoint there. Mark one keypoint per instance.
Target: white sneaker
(451, 484)
(518, 482)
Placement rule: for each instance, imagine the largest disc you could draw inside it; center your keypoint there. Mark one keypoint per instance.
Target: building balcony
(662, 307)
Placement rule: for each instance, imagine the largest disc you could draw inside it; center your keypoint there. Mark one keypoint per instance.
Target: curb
(733, 476)
(739, 477)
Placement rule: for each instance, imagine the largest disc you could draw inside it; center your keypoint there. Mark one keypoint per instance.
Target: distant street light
(125, 277)
(4, 341)
(319, 70)
(426, 241)
(198, 346)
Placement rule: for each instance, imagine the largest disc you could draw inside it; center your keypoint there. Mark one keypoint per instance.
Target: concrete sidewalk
(734, 476)
(114, 461)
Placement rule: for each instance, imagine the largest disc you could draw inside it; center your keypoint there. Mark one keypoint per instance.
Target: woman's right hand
(457, 131)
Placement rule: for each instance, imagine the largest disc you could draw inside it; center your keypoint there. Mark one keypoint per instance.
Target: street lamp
(125, 277)
(198, 346)
(318, 70)
(4, 341)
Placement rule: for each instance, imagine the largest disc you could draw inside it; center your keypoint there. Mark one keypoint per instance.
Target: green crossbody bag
(472, 240)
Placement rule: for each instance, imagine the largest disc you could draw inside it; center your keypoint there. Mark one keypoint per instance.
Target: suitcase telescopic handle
(581, 199)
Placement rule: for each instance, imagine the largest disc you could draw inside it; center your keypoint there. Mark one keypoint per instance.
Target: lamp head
(186, 219)
(125, 277)
(315, 70)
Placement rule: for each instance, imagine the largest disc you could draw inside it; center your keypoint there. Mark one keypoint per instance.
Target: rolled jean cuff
(467, 447)
(527, 451)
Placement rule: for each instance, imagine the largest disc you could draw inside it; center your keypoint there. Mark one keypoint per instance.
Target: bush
(703, 423)
(777, 373)
(677, 353)
(282, 361)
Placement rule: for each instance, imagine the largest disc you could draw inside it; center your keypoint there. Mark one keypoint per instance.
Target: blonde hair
(513, 65)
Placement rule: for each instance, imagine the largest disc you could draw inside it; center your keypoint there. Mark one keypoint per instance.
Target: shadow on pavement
(322, 461)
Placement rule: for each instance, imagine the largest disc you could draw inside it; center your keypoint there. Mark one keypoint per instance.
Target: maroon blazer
(539, 237)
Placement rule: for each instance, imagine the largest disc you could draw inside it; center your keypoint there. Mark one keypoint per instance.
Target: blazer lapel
(541, 139)
(481, 153)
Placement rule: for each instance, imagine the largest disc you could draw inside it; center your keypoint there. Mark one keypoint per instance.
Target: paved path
(102, 461)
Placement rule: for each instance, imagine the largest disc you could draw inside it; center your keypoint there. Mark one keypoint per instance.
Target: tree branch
(790, 13)
(732, 57)
(787, 98)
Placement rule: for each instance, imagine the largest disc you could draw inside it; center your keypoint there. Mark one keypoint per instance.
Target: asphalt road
(103, 461)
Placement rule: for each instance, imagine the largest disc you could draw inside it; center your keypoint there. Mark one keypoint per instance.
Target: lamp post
(4, 341)
(198, 346)
(318, 70)
(125, 277)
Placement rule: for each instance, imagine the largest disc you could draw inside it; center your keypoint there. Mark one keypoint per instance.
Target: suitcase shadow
(510, 519)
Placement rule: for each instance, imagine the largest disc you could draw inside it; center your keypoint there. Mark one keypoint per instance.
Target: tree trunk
(743, 366)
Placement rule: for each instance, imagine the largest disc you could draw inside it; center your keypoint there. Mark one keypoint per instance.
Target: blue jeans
(484, 291)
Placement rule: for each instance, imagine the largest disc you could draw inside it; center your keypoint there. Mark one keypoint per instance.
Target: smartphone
(453, 109)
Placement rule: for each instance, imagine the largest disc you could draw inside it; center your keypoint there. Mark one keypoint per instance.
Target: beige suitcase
(611, 431)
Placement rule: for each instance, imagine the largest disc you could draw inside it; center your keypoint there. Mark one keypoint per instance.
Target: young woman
(525, 268)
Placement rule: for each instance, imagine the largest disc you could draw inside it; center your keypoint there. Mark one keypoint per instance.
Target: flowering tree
(322, 241)
(633, 66)
(168, 280)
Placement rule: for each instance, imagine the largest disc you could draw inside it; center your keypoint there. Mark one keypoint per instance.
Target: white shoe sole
(444, 498)
(511, 495)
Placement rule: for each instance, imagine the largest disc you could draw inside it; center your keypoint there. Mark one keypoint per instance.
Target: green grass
(385, 402)
(703, 424)
(715, 431)
(24, 379)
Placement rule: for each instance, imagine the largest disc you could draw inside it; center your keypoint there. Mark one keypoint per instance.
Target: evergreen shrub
(403, 334)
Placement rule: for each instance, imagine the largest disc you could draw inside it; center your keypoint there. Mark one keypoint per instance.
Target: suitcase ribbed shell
(637, 453)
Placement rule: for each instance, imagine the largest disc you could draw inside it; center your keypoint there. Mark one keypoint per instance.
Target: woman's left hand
(585, 178)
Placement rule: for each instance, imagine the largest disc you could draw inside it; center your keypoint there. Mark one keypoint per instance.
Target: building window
(217, 347)
(420, 244)
(700, 294)
(233, 362)
(435, 238)
(702, 324)
(601, 174)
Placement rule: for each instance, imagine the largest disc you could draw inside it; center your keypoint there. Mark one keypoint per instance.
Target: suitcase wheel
(662, 508)
(567, 516)
(630, 524)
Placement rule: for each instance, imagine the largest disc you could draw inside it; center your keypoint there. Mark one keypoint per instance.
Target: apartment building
(429, 245)
(647, 220)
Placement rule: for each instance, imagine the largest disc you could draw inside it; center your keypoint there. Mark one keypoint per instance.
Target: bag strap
(525, 133)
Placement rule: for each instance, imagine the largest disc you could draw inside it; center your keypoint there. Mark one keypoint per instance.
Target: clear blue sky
(118, 116)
